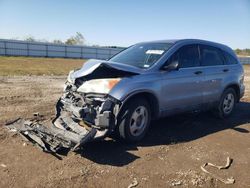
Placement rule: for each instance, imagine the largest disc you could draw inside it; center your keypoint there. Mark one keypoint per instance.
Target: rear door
(215, 71)
(182, 89)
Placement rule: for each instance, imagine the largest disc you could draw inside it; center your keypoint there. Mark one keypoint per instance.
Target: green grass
(10, 66)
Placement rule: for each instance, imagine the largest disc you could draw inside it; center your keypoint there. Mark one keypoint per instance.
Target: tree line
(77, 39)
(243, 52)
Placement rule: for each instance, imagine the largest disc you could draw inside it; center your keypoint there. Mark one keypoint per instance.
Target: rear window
(230, 60)
(210, 56)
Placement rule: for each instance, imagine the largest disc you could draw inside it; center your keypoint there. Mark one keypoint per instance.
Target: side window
(187, 56)
(174, 57)
(210, 56)
(230, 60)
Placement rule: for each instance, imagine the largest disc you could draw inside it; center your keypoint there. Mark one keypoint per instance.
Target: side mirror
(172, 66)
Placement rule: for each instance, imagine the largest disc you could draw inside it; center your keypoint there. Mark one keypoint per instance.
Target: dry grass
(19, 66)
(10, 66)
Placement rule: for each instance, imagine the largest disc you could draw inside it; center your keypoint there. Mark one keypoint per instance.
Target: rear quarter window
(230, 60)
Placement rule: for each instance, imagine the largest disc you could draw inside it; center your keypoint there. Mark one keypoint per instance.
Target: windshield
(142, 55)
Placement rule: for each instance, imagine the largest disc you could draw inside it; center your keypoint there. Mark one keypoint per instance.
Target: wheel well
(151, 99)
(236, 89)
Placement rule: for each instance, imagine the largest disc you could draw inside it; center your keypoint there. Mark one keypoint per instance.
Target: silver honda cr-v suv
(151, 80)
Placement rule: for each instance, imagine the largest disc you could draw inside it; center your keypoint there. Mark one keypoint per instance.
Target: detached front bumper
(48, 137)
(79, 119)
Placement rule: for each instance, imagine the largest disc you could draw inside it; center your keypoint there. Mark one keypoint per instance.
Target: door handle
(225, 70)
(198, 72)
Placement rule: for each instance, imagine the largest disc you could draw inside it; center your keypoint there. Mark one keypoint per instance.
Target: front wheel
(227, 103)
(134, 120)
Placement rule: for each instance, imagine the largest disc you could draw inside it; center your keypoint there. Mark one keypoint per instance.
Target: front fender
(128, 87)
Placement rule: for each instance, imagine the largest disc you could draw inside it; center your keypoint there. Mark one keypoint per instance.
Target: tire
(226, 104)
(134, 120)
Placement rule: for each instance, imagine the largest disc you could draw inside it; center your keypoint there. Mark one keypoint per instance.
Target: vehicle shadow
(181, 128)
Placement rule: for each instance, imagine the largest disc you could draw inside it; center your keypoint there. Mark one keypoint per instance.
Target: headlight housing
(98, 85)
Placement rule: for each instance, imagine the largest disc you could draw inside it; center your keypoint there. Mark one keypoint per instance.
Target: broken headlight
(98, 85)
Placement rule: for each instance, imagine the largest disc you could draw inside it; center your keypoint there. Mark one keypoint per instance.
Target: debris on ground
(176, 183)
(3, 165)
(134, 183)
(188, 177)
(48, 137)
(230, 180)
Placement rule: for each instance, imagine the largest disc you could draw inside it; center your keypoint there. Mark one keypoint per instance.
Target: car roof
(196, 41)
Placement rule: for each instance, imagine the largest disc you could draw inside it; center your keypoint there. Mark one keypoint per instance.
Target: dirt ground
(170, 155)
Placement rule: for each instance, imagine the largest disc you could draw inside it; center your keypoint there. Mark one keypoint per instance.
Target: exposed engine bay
(92, 111)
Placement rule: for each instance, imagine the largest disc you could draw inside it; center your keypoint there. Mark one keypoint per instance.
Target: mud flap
(50, 138)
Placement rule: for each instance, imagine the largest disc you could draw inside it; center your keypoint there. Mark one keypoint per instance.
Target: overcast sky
(124, 22)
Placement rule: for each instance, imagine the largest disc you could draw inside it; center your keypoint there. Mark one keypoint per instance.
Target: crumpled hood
(104, 69)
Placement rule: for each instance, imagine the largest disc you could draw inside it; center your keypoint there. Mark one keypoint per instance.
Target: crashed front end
(85, 112)
(89, 110)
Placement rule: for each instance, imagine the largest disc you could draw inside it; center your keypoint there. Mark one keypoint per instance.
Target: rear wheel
(134, 120)
(227, 103)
